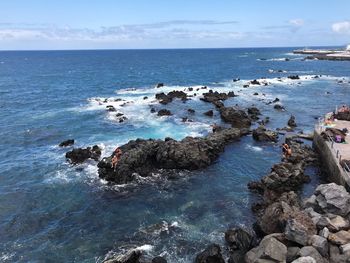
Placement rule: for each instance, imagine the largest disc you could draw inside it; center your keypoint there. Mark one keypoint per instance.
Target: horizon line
(180, 48)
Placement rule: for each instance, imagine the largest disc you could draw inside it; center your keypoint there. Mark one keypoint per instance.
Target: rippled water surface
(53, 212)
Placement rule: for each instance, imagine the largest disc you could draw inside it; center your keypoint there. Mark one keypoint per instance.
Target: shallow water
(51, 211)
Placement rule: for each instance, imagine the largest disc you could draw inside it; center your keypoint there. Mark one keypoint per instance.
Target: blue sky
(99, 24)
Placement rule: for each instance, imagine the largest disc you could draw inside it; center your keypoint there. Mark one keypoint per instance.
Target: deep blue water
(52, 212)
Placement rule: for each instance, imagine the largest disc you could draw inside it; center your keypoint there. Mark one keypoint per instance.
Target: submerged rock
(80, 155)
(144, 157)
(212, 254)
(291, 122)
(66, 143)
(164, 112)
(209, 113)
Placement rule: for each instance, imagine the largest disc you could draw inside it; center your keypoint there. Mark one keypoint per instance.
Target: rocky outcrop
(166, 98)
(144, 157)
(239, 242)
(291, 122)
(294, 77)
(212, 254)
(66, 143)
(164, 112)
(132, 256)
(253, 113)
(212, 96)
(262, 134)
(80, 155)
(209, 113)
(236, 117)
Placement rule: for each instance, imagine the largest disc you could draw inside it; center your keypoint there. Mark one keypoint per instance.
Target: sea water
(51, 211)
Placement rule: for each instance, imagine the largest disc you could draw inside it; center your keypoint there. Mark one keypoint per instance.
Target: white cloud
(341, 27)
(296, 22)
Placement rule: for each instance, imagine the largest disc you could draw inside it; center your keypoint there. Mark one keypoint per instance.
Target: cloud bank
(341, 27)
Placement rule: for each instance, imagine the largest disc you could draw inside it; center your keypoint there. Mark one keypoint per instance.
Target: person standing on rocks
(116, 157)
(287, 151)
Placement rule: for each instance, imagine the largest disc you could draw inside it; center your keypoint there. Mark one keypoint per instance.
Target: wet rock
(262, 134)
(132, 256)
(255, 82)
(167, 98)
(253, 113)
(209, 113)
(144, 157)
(145, 98)
(159, 260)
(66, 143)
(153, 110)
(80, 155)
(239, 239)
(159, 85)
(279, 107)
(294, 77)
(255, 94)
(192, 111)
(212, 254)
(236, 79)
(110, 108)
(216, 96)
(164, 112)
(320, 243)
(269, 249)
(291, 122)
(235, 116)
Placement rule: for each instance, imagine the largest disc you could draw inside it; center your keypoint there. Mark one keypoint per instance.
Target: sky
(144, 24)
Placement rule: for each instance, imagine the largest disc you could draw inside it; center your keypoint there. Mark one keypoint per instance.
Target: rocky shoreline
(287, 229)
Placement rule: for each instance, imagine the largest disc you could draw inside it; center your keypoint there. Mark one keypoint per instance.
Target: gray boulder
(340, 238)
(212, 254)
(262, 134)
(307, 259)
(299, 229)
(320, 243)
(312, 252)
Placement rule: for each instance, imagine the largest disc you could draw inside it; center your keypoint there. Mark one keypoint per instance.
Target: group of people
(116, 157)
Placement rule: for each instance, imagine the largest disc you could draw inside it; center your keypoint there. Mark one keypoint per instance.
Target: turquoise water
(53, 212)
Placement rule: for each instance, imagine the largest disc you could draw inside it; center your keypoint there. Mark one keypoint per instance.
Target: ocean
(51, 211)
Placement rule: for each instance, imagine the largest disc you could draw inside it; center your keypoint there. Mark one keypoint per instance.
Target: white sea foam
(254, 148)
(145, 247)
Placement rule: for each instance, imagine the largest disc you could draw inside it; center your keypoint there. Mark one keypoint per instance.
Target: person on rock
(287, 151)
(116, 157)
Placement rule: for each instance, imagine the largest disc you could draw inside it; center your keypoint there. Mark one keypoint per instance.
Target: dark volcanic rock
(345, 116)
(66, 143)
(144, 157)
(262, 134)
(80, 155)
(159, 260)
(291, 122)
(294, 77)
(192, 111)
(212, 254)
(239, 242)
(164, 112)
(209, 113)
(216, 96)
(254, 113)
(255, 82)
(166, 98)
(159, 85)
(236, 117)
(279, 107)
(132, 256)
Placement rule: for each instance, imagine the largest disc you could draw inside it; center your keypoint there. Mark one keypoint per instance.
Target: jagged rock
(269, 249)
(159, 260)
(164, 112)
(111, 108)
(331, 198)
(236, 117)
(209, 113)
(279, 107)
(253, 113)
(255, 94)
(345, 249)
(132, 256)
(262, 134)
(338, 223)
(216, 96)
(292, 253)
(291, 122)
(167, 98)
(310, 251)
(324, 232)
(320, 243)
(144, 157)
(80, 155)
(192, 111)
(239, 239)
(300, 228)
(307, 259)
(159, 85)
(340, 238)
(66, 143)
(255, 82)
(294, 77)
(212, 254)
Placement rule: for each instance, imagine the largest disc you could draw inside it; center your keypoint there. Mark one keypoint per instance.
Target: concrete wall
(330, 163)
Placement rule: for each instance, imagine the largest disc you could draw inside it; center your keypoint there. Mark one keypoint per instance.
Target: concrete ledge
(330, 163)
